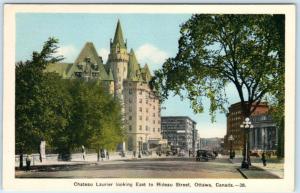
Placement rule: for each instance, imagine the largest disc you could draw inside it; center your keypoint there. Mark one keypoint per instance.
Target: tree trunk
(98, 155)
(21, 161)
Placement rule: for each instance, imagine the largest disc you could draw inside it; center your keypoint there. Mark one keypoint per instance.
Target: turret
(118, 59)
(134, 71)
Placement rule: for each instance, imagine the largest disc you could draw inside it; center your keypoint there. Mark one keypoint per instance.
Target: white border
(266, 185)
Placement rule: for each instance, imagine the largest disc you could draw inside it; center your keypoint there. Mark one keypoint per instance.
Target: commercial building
(127, 80)
(180, 131)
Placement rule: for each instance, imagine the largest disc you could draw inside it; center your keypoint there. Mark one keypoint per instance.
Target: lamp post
(140, 144)
(230, 138)
(246, 125)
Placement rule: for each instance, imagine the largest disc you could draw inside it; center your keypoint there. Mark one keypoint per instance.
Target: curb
(240, 171)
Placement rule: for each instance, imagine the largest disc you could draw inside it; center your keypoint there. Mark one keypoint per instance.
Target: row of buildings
(125, 78)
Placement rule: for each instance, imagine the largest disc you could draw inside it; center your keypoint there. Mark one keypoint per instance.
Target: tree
(215, 50)
(67, 113)
(96, 120)
(33, 102)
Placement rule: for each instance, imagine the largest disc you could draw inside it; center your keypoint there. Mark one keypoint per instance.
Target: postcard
(149, 98)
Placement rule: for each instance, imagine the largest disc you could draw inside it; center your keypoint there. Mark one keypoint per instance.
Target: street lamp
(246, 125)
(140, 144)
(230, 138)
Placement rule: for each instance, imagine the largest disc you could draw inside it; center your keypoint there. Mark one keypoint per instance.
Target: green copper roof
(89, 51)
(110, 75)
(146, 73)
(118, 39)
(60, 68)
(134, 72)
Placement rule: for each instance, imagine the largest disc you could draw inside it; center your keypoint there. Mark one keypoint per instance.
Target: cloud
(103, 52)
(153, 56)
(69, 52)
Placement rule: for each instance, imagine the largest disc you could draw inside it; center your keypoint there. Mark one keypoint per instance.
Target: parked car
(204, 155)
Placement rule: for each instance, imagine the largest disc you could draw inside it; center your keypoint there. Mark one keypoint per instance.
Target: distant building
(211, 144)
(235, 118)
(180, 131)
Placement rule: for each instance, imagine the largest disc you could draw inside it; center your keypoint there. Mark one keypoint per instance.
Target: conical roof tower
(146, 73)
(134, 71)
(118, 38)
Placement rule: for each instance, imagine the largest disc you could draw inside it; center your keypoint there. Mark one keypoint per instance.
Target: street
(140, 168)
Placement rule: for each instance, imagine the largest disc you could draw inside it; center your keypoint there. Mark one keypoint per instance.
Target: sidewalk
(273, 170)
(90, 160)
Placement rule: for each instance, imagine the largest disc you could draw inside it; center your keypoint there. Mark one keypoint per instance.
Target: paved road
(144, 168)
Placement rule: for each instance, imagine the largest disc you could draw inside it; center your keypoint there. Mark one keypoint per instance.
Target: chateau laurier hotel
(126, 80)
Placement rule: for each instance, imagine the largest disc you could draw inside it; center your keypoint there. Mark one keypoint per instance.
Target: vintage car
(204, 155)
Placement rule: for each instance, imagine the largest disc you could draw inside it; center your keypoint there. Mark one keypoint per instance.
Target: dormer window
(78, 74)
(80, 66)
(88, 59)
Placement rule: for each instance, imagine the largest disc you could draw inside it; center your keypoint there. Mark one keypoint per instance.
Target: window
(141, 100)
(130, 100)
(140, 109)
(140, 127)
(153, 121)
(130, 118)
(158, 129)
(146, 101)
(153, 106)
(78, 74)
(146, 128)
(147, 118)
(140, 92)
(153, 129)
(153, 115)
(130, 128)
(130, 91)
(141, 117)
(146, 110)
(130, 109)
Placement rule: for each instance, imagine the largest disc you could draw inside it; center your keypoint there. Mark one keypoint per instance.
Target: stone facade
(126, 80)
(234, 119)
(263, 135)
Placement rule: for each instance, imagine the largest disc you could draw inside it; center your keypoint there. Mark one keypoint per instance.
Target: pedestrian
(263, 159)
(134, 154)
(107, 155)
(83, 152)
(28, 161)
(102, 154)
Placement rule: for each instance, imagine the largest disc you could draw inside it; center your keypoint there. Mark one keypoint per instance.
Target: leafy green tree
(65, 113)
(33, 103)
(96, 120)
(215, 50)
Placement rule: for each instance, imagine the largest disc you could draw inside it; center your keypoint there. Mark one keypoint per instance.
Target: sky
(153, 37)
